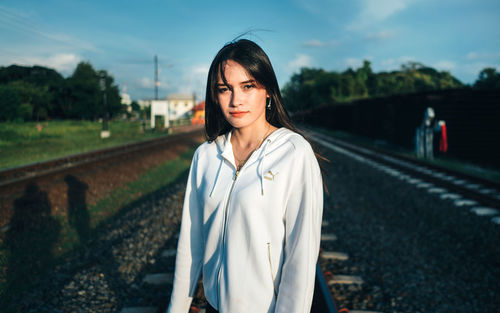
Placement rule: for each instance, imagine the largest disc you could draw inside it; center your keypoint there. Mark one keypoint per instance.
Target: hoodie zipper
(271, 267)
(224, 236)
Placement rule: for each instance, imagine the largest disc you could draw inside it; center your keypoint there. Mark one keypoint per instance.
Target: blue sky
(460, 36)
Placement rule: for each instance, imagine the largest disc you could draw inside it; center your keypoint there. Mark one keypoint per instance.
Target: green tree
(37, 97)
(314, 87)
(9, 102)
(135, 106)
(25, 111)
(82, 95)
(488, 78)
(38, 86)
(113, 105)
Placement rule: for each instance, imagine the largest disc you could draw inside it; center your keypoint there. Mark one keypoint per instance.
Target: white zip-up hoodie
(254, 233)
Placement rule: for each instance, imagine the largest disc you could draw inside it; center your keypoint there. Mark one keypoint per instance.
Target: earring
(269, 104)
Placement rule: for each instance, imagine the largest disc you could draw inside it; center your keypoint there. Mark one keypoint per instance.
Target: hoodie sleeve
(302, 233)
(189, 258)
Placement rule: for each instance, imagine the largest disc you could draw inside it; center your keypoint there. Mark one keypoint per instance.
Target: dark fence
(472, 119)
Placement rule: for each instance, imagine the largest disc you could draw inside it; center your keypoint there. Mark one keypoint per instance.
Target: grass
(25, 143)
(26, 256)
(445, 162)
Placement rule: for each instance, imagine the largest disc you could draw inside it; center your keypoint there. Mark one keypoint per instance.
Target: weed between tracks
(29, 251)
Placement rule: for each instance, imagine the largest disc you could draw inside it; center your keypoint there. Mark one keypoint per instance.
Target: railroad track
(463, 190)
(36, 170)
(101, 171)
(466, 190)
(481, 196)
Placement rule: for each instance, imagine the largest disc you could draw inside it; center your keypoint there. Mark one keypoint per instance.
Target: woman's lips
(238, 113)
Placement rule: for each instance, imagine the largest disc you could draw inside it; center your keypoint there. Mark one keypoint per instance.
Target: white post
(167, 116)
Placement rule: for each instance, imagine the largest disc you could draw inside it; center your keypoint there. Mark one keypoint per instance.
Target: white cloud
(394, 64)
(445, 65)
(317, 7)
(388, 63)
(406, 59)
(353, 63)
(373, 12)
(192, 80)
(313, 43)
(473, 69)
(473, 55)
(381, 35)
(146, 82)
(195, 80)
(62, 62)
(301, 60)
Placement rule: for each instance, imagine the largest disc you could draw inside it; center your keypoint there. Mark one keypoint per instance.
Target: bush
(25, 111)
(9, 102)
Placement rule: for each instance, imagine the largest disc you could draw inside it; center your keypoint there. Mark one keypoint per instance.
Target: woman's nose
(237, 98)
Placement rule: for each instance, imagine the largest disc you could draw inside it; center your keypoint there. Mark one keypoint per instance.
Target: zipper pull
(236, 174)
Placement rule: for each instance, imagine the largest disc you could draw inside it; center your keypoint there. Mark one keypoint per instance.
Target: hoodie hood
(225, 149)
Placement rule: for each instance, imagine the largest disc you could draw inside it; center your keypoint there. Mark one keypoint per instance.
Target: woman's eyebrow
(242, 83)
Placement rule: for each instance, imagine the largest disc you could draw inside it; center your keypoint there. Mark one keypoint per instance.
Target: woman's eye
(222, 90)
(249, 86)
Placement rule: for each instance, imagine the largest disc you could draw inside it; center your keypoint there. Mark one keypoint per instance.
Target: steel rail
(28, 172)
(322, 285)
(411, 166)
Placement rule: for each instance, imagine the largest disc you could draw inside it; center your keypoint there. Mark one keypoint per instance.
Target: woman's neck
(247, 140)
(251, 138)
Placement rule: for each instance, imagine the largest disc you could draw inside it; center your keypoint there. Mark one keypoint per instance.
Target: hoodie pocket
(271, 268)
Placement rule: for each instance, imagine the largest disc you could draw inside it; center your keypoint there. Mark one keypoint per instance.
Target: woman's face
(242, 100)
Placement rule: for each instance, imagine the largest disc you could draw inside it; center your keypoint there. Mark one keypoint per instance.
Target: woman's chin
(238, 122)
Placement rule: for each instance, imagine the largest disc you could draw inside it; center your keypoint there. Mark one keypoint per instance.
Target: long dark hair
(255, 61)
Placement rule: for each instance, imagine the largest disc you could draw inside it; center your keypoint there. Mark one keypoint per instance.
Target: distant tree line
(316, 87)
(39, 93)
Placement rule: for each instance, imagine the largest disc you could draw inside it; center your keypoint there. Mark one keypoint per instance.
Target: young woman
(254, 199)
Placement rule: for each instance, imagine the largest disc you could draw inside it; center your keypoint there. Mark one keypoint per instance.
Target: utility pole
(157, 83)
(102, 82)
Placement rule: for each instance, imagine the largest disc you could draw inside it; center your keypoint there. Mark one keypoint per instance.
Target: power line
(15, 22)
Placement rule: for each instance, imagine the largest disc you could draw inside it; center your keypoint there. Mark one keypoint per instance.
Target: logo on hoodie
(270, 177)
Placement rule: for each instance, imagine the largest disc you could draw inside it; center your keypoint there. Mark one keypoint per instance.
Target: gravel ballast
(108, 274)
(414, 251)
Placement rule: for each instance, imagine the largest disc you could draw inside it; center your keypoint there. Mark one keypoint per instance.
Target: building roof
(199, 107)
(181, 96)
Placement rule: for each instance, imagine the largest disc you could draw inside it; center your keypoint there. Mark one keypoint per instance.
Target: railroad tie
(451, 196)
(159, 279)
(328, 237)
(345, 280)
(484, 211)
(139, 309)
(168, 253)
(465, 202)
(332, 255)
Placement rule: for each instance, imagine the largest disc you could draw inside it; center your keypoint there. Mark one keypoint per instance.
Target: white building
(160, 108)
(176, 106)
(144, 103)
(180, 105)
(125, 98)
